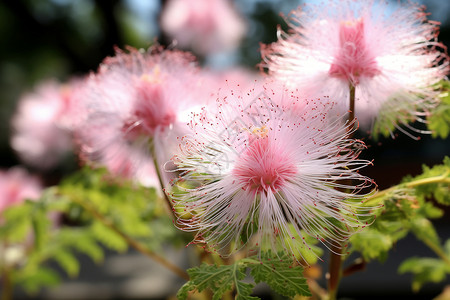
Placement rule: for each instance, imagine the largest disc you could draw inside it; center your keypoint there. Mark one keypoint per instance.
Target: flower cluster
(257, 160)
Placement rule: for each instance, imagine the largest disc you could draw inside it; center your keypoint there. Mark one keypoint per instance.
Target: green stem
(437, 250)
(161, 182)
(351, 113)
(378, 197)
(6, 285)
(132, 242)
(335, 272)
(335, 266)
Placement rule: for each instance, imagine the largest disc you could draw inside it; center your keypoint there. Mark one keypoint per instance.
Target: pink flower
(41, 127)
(205, 26)
(269, 168)
(137, 101)
(16, 185)
(390, 54)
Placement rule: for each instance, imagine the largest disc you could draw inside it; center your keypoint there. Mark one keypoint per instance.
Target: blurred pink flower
(41, 127)
(16, 185)
(138, 101)
(389, 53)
(205, 26)
(268, 173)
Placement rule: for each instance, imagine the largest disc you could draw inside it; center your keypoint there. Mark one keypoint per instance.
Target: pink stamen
(353, 59)
(263, 167)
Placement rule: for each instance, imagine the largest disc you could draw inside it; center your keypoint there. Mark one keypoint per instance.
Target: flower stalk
(377, 198)
(161, 182)
(335, 267)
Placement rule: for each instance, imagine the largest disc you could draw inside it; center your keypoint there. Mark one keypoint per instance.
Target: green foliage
(406, 209)
(397, 112)
(108, 237)
(384, 123)
(372, 243)
(103, 211)
(17, 223)
(280, 275)
(277, 271)
(30, 229)
(36, 278)
(391, 225)
(393, 113)
(439, 119)
(134, 210)
(425, 270)
(218, 279)
(305, 247)
(440, 191)
(428, 269)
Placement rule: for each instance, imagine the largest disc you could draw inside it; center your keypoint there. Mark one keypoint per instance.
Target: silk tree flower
(266, 168)
(17, 185)
(42, 125)
(137, 104)
(389, 53)
(205, 26)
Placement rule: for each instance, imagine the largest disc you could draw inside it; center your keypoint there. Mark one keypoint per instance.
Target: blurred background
(60, 39)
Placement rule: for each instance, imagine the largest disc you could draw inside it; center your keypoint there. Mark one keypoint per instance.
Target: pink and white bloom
(267, 167)
(205, 26)
(389, 52)
(17, 185)
(42, 125)
(137, 104)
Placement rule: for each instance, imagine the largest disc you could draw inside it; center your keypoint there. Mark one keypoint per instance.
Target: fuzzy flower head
(205, 26)
(389, 53)
(136, 105)
(41, 127)
(268, 169)
(16, 185)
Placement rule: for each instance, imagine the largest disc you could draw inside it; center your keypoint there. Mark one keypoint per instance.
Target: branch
(378, 197)
(132, 242)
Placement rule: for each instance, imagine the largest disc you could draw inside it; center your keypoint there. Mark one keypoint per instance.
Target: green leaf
(183, 292)
(108, 237)
(406, 209)
(424, 270)
(68, 262)
(447, 248)
(89, 247)
(219, 279)
(277, 270)
(280, 275)
(132, 209)
(304, 247)
(17, 223)
(424, 230)
(41, 226)
(372, 244)
(393, 113)
(243, 291)
(34, 279)
(439, 119)
(438, 190)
